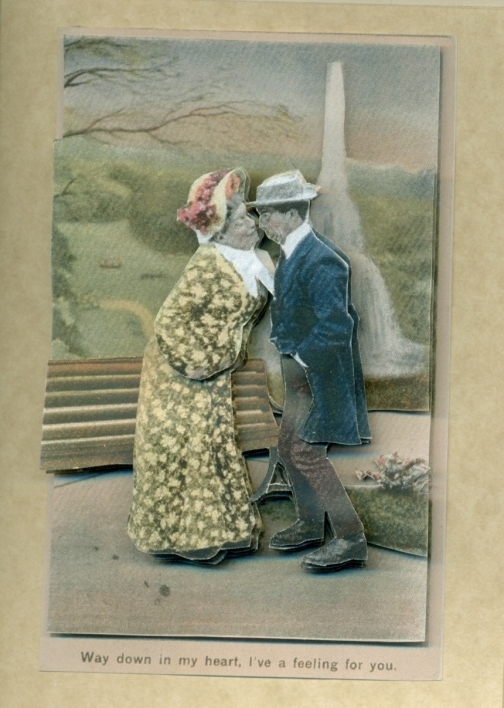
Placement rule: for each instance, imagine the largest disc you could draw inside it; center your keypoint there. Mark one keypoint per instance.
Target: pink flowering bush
(392, 473)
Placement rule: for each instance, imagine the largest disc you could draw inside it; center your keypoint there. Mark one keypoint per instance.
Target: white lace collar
(251, 265)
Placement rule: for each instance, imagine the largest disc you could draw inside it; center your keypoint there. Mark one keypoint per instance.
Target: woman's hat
(284, 188)
(206, 208)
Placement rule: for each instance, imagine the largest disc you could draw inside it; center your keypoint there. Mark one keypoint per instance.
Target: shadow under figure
(191, 497)
(314, 327)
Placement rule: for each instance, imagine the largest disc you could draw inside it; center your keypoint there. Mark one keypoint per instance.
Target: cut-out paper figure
(314, 326)
(191, 496)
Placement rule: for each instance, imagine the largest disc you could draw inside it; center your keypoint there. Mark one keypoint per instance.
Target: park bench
(90, 409)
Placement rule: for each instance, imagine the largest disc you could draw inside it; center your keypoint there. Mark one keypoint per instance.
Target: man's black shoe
(338, 554)
(299, 535)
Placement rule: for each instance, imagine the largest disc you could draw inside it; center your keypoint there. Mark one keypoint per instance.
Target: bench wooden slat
(249, 390)
(244, 377)
(61, 399)
(255, 428)
(250, 403)
(63, 455)
(248, 417)
(75, 367)
(92, 382)
(88, 429)
(72, 414)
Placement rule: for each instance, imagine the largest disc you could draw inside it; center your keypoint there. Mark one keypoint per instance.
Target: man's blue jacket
(312, 316)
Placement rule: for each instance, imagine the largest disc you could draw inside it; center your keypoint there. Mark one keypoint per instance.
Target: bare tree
(153, 102)
(107, 50)
(123, 121)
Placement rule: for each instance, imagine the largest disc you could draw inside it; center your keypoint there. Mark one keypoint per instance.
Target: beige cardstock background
(474, 636)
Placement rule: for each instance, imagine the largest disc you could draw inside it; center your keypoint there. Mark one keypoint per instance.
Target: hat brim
(284, 200)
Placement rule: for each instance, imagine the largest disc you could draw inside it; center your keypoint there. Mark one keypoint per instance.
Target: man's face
(278, 225)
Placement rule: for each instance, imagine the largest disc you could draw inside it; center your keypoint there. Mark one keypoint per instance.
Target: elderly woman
(191, 495)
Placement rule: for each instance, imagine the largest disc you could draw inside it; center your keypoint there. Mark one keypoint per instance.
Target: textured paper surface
(474, 648)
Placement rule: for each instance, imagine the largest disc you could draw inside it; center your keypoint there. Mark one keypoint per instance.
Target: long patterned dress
(191, 487)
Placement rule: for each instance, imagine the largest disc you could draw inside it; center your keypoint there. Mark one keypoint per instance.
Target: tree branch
(65, 189)
(173, 116)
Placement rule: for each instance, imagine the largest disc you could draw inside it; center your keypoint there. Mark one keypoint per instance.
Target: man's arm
(328, 301)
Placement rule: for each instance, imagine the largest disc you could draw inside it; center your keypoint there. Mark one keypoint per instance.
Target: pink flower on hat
(200, 214)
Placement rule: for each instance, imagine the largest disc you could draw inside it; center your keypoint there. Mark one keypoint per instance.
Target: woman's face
(241, 231)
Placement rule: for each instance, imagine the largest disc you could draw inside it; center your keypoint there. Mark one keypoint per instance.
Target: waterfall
(384, 350)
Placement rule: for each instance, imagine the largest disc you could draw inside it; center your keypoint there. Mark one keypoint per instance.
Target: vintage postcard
(245, 417)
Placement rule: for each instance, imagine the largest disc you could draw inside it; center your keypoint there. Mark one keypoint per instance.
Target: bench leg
(275, 482)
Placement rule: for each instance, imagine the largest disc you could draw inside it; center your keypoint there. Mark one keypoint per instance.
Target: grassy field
(118, 284)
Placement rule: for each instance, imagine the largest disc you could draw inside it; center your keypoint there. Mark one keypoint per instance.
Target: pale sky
(391, 91)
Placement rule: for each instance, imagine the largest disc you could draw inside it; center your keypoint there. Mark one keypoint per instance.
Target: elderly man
(314, 327)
